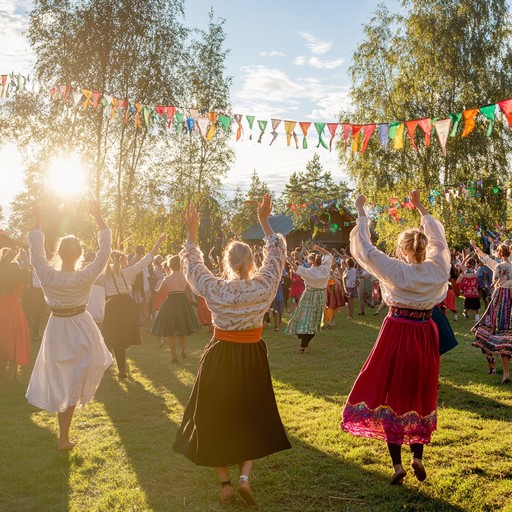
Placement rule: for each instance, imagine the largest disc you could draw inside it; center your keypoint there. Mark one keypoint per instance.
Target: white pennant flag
(443, 130)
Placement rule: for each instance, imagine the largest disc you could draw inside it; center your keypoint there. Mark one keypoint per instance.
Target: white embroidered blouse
(415, 286)
(317, 276)
(238, 304)
(502, 272)
(67, 289)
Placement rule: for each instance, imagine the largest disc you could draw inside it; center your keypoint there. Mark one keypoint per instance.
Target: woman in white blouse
(307, 318)
(232, 416)
(72, 357)
(121, 321)
(394, 398)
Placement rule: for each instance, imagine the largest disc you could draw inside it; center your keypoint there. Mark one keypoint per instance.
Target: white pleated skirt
(70, 365)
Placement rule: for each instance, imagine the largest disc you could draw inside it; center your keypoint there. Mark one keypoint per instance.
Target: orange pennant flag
(138, 106)
(411, 127)
(368, 132)
(469, 120)
(4, 83)
(304, 126)
(426, 125)
(87, 102)
(212, 116)
(356, 128)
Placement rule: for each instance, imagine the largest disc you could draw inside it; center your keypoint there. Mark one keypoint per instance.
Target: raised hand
(360, 201)
(414, 197)
(265, 208)
(192, 219)
(94, 210)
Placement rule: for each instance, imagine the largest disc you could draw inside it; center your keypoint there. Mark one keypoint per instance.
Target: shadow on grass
(31, 468)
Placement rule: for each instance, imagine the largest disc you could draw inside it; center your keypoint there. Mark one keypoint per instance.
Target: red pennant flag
(53, 90)
(426, 125)
(332, 127)
(95, 97)
(356, 128)
(411, 127)
(347, 128)
(170, 114)
(506, 107)
(368, 132)
(4, 83)
(66, 93)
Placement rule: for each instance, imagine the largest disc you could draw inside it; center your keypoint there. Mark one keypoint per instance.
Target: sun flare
(67, 175)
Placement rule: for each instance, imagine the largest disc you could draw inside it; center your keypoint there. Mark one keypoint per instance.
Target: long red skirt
(394, 398)
(14, 333)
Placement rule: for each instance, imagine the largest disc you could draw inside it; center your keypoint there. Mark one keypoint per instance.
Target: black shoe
(361, 313)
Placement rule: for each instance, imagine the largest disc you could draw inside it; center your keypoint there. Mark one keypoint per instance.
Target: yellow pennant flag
(212, 116)
(87, 94)
(398, 141)
(289, 126)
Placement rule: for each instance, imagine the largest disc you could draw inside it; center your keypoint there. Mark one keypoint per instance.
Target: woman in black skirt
(232, 416)
(176, 317)
(121, 322)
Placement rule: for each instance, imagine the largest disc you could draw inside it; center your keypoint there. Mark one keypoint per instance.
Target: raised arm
(264, 211)
(487, 260)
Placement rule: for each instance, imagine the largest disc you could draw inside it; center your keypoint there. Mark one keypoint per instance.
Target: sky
(289, 59)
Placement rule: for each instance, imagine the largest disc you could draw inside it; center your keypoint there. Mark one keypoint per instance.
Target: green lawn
(124, 460)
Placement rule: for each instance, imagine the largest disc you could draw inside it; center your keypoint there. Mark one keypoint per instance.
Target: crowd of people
(97, 302)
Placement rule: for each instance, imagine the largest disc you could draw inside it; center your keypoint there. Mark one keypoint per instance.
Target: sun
(67, 175)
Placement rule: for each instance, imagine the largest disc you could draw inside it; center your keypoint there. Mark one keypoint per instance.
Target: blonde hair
(413, 241)
(237, 256)
(66, 248)
(114, 264)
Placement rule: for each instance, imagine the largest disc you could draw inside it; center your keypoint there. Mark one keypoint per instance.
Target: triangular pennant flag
(138, 107)
(320, 130)
(225, 122)
(411, 127)
(332, 127)
(170, 111)
(384, 135)
(61, 91)
(53, 90)
(146, 112)
(95, 97)
(455, 119)
(250, 120)
(87, 102)
(77, 97)
(179, 122)
(489, 111)
(347, 130)
(106, 103)
(240, 130)
(356, 128)
(212, 116)
(368, 132)
(193, 113)
(443, 130)
(304, 126)
(469, 121)
(426, 125)
(114, 108)
(275, 124)
(396, 134)
(125, 105)
(4, 84)
(262, 126)
(202, 124)
(289, 126)
(506, 107)
(190, 124)
(67, 90)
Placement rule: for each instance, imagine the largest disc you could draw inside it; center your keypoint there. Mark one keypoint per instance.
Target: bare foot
(67, 445)
(246, 493)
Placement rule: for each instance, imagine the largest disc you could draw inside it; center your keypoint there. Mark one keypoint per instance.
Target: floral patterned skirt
(307, 318)
(394, 398)
(493, 333)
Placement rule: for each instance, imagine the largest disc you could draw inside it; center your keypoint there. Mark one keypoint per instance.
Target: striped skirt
(493, 332)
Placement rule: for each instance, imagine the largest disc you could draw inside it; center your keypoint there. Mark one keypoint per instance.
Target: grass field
(124, 459)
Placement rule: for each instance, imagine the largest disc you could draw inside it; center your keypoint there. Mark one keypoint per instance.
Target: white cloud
(300, 60)
(317, 63)
(273, 53)
(316, 46)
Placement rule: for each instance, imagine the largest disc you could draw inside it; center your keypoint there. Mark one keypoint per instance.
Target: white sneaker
(477, 317)
(455, 318)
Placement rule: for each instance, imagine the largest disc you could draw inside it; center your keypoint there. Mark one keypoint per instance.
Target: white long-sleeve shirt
(123, 282)
(415, 286)
(317, 276)
(238, 304)
(67, 289)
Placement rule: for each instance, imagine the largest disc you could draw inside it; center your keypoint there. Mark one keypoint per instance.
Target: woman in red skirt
(394, 398)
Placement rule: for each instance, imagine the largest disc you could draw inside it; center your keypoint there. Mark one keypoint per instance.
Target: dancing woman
(493, 332)
(232, 417)
(121, 322)
(72, 357)
(394, 398)
(307, 318)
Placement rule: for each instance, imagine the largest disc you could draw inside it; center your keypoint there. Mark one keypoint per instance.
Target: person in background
(484, 282)
(394, 398)
(350, 284)
(468, 283)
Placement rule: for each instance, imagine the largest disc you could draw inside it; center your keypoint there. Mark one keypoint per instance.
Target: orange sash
(245, 336)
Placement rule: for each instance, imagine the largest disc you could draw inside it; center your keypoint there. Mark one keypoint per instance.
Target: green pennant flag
(489, 112)
(179, 120)
(250, 120)
(393, 128)
(456, 118)
(225, 121)
(262, 125)
(320, 130)
(145, 112)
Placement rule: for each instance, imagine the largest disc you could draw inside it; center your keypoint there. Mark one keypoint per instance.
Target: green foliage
(439, 57)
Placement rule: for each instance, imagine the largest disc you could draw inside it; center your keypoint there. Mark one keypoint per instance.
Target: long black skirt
(176, 317)
(121, 322)
(232, 414)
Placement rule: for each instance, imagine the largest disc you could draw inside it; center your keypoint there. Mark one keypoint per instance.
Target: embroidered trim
(410, 314)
